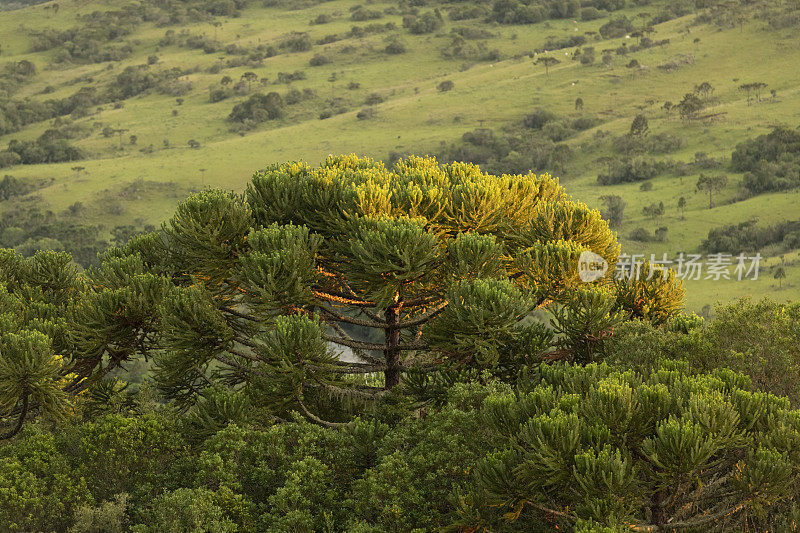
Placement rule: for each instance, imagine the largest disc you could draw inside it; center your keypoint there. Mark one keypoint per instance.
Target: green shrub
(757, 339)
(623, 448)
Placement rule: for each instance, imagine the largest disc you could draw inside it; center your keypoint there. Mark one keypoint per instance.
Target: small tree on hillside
(780, 275)
(547, 61)
(711, 185)
(682, 206)
(705, 89)
(639, 127)
(690, 106)
(614, 210)
(654, 211)
(249, 78)
(579, 104)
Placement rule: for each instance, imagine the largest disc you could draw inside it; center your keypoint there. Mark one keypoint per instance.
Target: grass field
(417, 118)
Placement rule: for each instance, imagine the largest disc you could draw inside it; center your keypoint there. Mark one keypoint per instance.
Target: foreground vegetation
(489, 385)
(103, 132)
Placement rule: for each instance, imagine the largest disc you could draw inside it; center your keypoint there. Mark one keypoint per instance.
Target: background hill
(112, 111)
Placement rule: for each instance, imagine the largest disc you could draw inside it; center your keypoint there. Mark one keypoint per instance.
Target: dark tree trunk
(392, 351)
(657, 510)
(22, 414)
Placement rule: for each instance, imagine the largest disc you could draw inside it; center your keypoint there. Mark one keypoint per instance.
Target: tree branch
(317, 419)
(423, 317)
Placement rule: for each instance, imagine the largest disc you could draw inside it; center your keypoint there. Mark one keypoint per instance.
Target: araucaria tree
(405, 271)
(324, 288)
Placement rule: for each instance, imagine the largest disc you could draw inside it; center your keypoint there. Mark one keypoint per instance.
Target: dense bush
(42, 150)
(616, 27)
(509, 153)
(660, 143)
(296, 42)
(426, 22)
(667, 435)
(765, 350)
(771, 161)
(258, 108)
(749, 237)
(633, 169)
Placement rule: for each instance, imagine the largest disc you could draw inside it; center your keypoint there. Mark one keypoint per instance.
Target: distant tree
(193, 144)
(614, 210)
(107, 132)
(77, 170)
(690, 106)
(711, 185)
(682, 206)
(705, 88)
(119, 133)
(753, 90)
(152, 59)
(587, 55)
(226, 80)
(179, 101)
(668, 107)
(654, 211)
(578, 104)
(133, 139)
(639, 127)
(174, 112)
(547, 61)
(780, 275)
(249, 77)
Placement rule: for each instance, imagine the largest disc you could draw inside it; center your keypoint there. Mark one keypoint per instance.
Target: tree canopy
(320, 288)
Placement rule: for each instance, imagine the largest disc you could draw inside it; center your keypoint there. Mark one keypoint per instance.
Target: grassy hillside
(382, 103)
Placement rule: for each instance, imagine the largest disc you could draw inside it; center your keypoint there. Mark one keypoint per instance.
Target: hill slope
(137, 99)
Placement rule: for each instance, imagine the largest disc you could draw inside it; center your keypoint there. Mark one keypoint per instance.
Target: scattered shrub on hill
(749, 237)
(289, 77)
(395, 46)
(632, 169)
(367, 113)
(445, 86)
(322, 18)
(771, 161)
(320, 59)
(616, 27)
(426, 22)
(468, 11)
(258, 108)
(461, 48)
(42, 150)
(220, 94)
(659, 143)
(296, 42)
(361, 13)
(643, 235)
(510, 153)
(138, 79)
